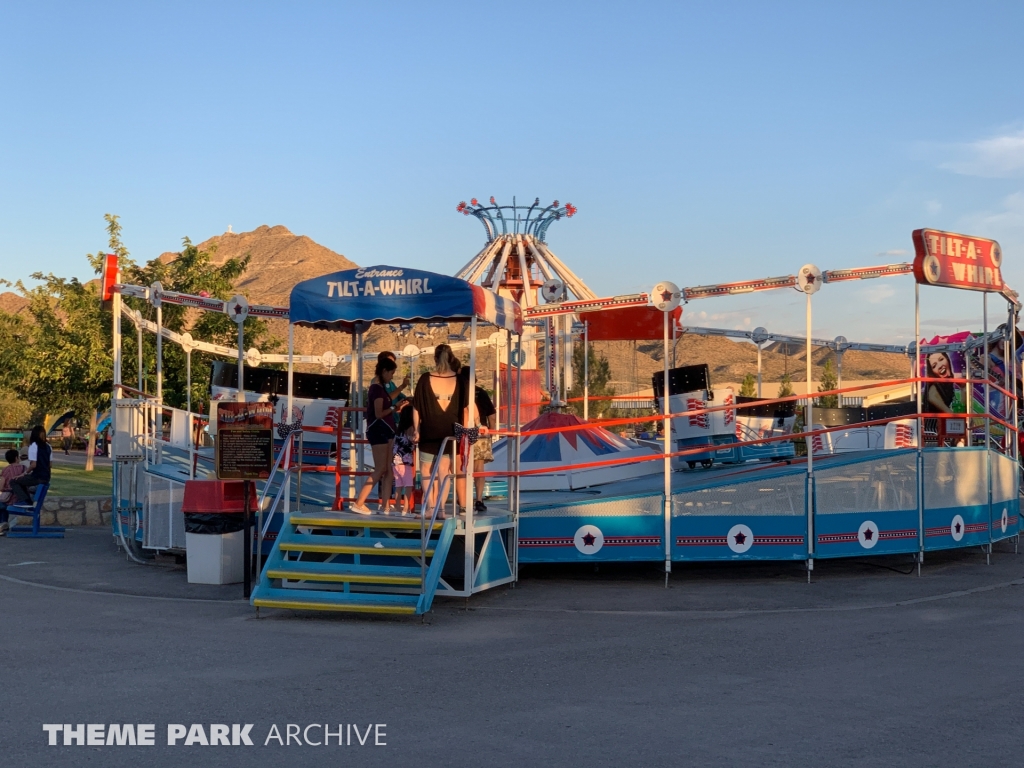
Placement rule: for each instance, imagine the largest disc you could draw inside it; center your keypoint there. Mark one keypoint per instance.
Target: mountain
(280, 259)
(12, 303)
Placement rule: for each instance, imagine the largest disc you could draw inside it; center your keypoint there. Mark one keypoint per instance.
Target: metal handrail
(442, 491)
(273, 471)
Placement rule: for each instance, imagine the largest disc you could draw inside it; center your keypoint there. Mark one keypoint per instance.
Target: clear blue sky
(701, 142)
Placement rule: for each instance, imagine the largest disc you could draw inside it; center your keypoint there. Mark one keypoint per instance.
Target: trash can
(214, 531)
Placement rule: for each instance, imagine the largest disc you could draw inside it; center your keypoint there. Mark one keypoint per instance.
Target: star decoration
(957, 527)
(238, 309)
(811, 278)
(666, 295)
(868, 533)
(588, 540)
(740, 537)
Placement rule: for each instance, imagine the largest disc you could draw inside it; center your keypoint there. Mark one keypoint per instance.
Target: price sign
(245, 440)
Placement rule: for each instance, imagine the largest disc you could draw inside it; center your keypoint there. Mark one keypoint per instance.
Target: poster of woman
(943, 396)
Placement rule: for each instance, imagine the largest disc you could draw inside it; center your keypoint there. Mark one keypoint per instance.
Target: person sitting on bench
(13, 469)
(38, 467)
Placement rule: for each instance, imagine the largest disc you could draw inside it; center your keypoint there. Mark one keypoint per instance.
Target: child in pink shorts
(404, 470)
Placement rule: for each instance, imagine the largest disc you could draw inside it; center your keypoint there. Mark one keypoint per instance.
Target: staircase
(338, 561)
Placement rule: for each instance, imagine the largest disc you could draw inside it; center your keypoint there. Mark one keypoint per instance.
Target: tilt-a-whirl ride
(725, 478)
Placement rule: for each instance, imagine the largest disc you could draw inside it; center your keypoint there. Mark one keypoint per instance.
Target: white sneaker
(4, 528)
(360, 509)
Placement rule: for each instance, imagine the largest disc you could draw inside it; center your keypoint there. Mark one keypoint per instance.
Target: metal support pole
(188, 381)
(159, 421)
(666, 441)
(247, 538)
(759, 370)
(359, 396)
(497, 379)
(159, 361)
(988, 419)
(920, 427)
(470, 494)
(287, 419)
(518, 442)
(586, 370)
(557, 362)
(115, 306)
(138, 335)
(241, 364)
(809, 430)
(188, 415)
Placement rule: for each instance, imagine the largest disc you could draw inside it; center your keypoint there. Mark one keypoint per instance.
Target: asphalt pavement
(739, 664)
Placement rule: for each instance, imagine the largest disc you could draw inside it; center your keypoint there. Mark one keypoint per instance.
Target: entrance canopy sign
(349, 299)
(957, 261)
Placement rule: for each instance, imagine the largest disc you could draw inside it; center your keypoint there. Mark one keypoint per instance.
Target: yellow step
(355, 549)
(361, 578)
(302, 605)
(344, 520)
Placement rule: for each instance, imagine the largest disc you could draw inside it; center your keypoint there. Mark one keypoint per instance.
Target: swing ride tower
(517, 262)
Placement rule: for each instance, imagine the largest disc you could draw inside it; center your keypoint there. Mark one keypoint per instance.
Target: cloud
(893, 252)
(878, 294)
(1008, 216)
(933, 207)
(1012, 214)
(996, 157)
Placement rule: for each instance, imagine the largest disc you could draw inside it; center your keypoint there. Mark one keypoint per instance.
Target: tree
(749, 386)
(15, 337)
(829, 382)
(68, 362)
(599, 373)
(192, 271)
(785, 386)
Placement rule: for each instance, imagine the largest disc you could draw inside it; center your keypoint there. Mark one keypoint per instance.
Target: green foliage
(599, 374)
(60, 356)
(749, 386)
(15, 413)
(68, 362)
(828, 383)
(114, 244)
(785, 386)
(15, 337)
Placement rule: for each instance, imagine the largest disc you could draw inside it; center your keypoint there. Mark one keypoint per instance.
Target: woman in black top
(438, 408)
(38, 467)
(380, 416)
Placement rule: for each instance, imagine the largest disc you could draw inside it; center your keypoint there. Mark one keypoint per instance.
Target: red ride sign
(957, 261)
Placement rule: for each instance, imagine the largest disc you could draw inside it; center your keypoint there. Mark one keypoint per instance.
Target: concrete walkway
(733, 665)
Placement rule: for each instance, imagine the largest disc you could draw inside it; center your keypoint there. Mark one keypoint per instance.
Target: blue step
(350, 602)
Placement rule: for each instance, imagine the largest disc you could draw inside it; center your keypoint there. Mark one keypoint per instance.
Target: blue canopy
(354, 298)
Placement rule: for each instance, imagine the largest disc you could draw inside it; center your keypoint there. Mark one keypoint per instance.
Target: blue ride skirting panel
(1005, 519)
(865, 533)
(739, 538)
(956, 527)
(619, 530)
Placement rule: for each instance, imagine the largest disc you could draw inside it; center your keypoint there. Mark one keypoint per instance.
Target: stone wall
(74, 510)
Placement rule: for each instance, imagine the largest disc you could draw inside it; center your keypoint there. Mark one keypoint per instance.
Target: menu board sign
(245, 440)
